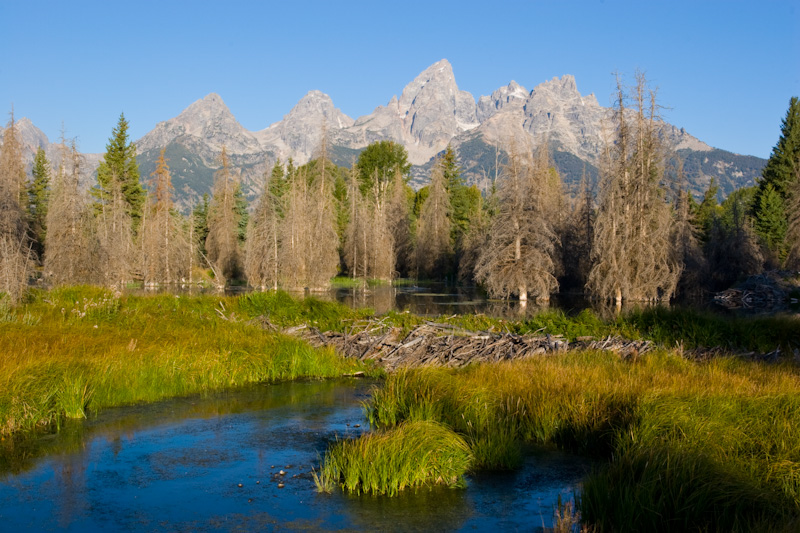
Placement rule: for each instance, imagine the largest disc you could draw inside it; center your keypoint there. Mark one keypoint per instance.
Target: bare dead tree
(632, 250)
(793, 231)
(433, 251)
(398, 218)
(292, 264)
(473, 243)
(323, 239)
(222, 242)
(16, 257)
(263, 244)
(685, 238)
(114, 232)
(12, 185)
(70, 243)
(356, 239)
(166, 247)
(577, 237)
(518, 256)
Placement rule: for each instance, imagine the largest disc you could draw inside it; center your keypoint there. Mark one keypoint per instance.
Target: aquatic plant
(412, 454)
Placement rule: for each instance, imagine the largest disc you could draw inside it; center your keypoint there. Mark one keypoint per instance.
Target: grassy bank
(72, 350)
(684, 446)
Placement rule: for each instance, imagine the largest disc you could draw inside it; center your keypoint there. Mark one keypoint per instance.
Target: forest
(636, 234)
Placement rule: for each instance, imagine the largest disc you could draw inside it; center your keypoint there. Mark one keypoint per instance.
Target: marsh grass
(73, 350)
(683, 445)
(411, 454)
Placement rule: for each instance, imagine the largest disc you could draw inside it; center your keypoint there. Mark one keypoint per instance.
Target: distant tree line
(639, 236)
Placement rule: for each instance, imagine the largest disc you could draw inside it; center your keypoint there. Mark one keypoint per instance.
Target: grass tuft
(412, 454)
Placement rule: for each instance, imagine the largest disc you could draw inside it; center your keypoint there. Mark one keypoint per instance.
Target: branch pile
(436, 344)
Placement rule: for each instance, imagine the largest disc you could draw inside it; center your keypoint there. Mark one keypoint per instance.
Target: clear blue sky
(725, 69)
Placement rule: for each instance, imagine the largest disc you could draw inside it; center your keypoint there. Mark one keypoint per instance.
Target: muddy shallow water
(177, 466)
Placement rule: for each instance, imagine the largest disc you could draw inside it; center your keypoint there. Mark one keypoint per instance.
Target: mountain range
(430, 113)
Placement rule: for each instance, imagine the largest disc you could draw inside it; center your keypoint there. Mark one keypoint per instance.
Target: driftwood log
(435, 344)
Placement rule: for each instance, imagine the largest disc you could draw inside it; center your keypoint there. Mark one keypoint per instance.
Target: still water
(178, 466)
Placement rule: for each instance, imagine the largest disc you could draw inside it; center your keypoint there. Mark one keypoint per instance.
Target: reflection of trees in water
(380, 299)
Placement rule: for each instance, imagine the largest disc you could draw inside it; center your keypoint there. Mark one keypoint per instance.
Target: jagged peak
(211, 104)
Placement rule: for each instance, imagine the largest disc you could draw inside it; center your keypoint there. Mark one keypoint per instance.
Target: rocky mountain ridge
(430, 113)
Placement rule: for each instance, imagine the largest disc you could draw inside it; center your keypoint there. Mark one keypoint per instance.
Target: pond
(212, 463)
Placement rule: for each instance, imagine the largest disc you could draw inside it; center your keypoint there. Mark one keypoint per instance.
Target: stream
(212, 463)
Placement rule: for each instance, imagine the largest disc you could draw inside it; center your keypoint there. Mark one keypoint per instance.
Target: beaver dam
(437, 344)
(446, 345)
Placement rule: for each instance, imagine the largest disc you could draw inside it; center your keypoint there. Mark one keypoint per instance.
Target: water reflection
(210, 463)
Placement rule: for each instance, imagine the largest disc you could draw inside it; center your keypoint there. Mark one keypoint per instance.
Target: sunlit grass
(412, 454)
(683, 445)
(77, 349)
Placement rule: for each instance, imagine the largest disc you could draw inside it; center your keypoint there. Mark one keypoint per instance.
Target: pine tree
(119, 166)
(776, 181)
(39, 198)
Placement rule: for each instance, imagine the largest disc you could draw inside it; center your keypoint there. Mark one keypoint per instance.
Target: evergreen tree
(771, 221)
(39, 198)
(200, 224)
(119, 165)
(776, 182)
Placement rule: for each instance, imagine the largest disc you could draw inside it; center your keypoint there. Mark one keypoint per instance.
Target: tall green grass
(684, 446)
(409, 455)
(76, 349)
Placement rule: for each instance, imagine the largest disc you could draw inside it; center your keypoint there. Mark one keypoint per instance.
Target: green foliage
(708, 210)
(413, 454)
(39, 198)
(242, 216)
(771, 221)
(119, 165)
(200, 222)
(379, 161)
(782, 170)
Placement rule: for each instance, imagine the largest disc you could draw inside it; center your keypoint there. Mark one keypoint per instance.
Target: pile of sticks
(435, 344)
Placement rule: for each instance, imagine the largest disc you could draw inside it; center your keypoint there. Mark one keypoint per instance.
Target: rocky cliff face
(430, 113)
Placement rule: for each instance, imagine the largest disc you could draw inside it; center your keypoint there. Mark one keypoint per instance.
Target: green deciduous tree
(378, 163)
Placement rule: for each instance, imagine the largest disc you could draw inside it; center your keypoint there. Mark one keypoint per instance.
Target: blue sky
(724, 70)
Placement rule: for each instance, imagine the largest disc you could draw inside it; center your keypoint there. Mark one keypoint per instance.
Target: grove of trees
(635, 235)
